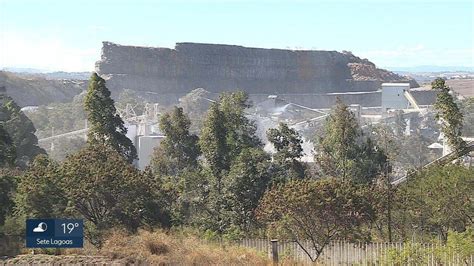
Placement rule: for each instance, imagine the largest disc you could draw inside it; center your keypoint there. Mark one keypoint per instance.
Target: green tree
(186, 197)
(437, 200)
(337, 150)
(227, 131)
(467, 107)
(176, 162)
(450, 115)
(241, 132)
(106, 126)
(225, 134)
(215, 149)
(8, 184)
(386, 138)
(247, 181)
(7, 149)
(179, 150)
(21, 131)
(106, 190)
(316, 210)
(213, 141)
(39, 193)
(344, 152)
(372, 162)
(287, 143)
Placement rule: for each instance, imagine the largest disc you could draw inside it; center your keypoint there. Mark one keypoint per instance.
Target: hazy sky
(67, 35)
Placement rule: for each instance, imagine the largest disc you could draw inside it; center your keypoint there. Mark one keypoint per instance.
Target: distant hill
(32, 90)
(428, 77)
(32, 72)
(67, 75)
(432, 69)
(23, 70)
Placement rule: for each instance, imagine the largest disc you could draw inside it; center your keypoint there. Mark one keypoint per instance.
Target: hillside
(32, 90)
(465, 87)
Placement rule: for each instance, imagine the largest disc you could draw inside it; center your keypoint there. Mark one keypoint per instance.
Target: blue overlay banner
(54, 233)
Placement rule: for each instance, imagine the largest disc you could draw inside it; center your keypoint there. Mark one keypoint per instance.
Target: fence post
(274, 251)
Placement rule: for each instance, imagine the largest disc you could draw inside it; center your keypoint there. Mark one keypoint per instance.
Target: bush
(411, 253)
(458, 245)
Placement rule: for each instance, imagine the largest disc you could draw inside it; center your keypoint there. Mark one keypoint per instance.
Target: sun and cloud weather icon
(42, 227)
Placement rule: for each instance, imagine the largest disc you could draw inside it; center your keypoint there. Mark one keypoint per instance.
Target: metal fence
(345, 253)
(335, 253)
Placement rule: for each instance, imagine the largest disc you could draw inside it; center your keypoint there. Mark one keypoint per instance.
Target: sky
(67, 35)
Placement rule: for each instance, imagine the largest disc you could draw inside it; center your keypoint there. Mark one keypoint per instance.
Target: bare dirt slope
(465, 87)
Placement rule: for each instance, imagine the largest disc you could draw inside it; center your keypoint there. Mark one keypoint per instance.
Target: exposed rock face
(32, 90)
(227, 67)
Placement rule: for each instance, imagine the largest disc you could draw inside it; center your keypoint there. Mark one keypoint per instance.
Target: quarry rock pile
(220, 68)
(364, 71)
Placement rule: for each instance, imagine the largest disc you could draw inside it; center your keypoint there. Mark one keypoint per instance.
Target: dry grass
(147, 248)
(160, 248)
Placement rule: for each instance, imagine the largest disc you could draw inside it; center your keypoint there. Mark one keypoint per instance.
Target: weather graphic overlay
(54, 233)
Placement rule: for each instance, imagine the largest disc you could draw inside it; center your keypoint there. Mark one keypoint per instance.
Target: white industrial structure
(142, 130)
(146, 146)
(393, 96)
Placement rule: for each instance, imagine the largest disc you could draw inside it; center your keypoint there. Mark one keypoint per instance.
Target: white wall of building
(146, 145)
(393, 96)
(132, 133)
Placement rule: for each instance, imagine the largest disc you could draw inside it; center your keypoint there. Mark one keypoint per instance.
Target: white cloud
(44, 52)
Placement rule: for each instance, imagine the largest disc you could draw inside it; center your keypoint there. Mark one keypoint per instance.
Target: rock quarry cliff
(217, 68)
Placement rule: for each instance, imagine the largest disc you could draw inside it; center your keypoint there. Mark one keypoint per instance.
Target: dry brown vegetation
(148, 248)
(160, 248)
